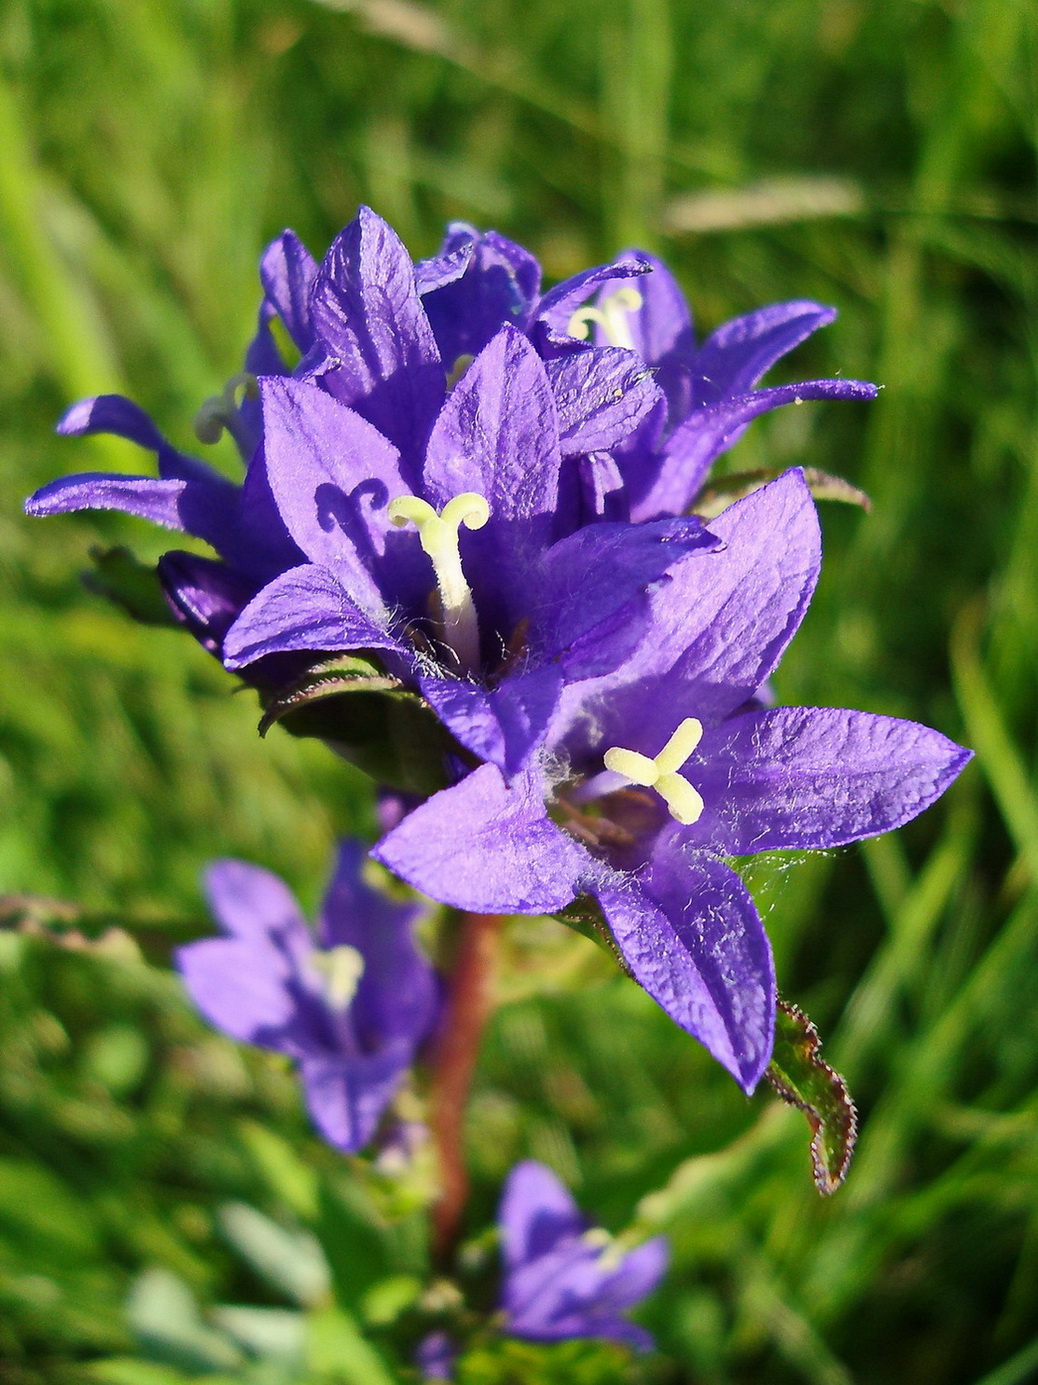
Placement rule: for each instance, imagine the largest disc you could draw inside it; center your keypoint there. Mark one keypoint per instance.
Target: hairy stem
(453, 1063)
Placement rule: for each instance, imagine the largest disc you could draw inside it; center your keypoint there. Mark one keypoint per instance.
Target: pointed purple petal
(560, 303)
(662, 326)
(637, 1276)
(347, 1096)
(304, 608)
(332, 476)
(162, 502)
(208, 596)
(287, 272)
(504, 725)
(497, 435)
(537, 1211)
(601, 396)
(718, 626)
(734, 358)
(241, 987)
(367, 315)
(499, 286)
(488, 847)
(589, 576)
(709, 431)
(249, 902)
(396, 997)
(113, 413)
(691, 935)
(796, 777)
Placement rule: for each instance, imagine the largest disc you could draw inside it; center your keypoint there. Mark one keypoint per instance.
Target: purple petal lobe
(287, 272)
(637, 1275)
(499, 286)
(240, 986)
(498, 436)
(707, 432)
(489, 847)
(734, 358)
(208, 596)
(112, 413)
(368, 317)
(601, 397)
(691, 935)
(537, 1211)
(503, 725)
(304, 608)
(332, 476)
(160, 501)
(250, 902)
(346, 1096)
(593, 573)
(794, 777)
(560, 303)
(396, 997)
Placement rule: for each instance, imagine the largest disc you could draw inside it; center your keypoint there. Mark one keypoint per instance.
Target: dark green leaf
(802, 1078)
(130, 584)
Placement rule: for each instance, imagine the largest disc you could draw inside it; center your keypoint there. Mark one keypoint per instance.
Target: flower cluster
(485, 496)
(484, 490)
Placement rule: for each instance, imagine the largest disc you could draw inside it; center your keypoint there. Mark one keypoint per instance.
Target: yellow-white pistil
(684, 802)
(222, 410)
(340, 969)
(611, 315)
(439, 538)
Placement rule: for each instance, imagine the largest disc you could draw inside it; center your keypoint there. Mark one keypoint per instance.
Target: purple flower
(656, 773)
(351, 1005)
(451, 566)
(705, 397)
(561, 1278)
(435, 1357)
(360, 323)
(709, 391)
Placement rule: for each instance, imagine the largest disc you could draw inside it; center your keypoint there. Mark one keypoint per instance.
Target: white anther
(438, 534)
(684, 802)
(611, 316)
(223, 410)
(341, 969)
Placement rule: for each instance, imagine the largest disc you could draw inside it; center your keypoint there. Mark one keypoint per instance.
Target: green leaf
(725, 489)
(130, 584)
(336, 1348)
(804, 1080)
(289, 1260)
(371, 720)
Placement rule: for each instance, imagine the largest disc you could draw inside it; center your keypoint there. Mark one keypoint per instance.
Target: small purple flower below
(351, 1005)
(563, 1277)
(435, 1357)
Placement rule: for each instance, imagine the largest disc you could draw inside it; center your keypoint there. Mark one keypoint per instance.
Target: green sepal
(371, 720)
(132, 585)
(724, 490)
(585, 917)
(805, 1080)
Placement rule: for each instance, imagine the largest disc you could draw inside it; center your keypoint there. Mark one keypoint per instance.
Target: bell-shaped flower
(359, 321)
(451, 568)
(709, 391)
(350, 1003)
(656, 773)
(562, 1277)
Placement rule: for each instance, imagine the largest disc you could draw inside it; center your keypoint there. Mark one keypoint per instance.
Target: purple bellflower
(656, 773)
(451, 567)
(365, 339)
(562, 1278)
(706, 395)
(351, 1005)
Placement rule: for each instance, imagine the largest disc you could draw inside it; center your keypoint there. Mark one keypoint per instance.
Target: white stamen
(611, 316)
(684, 802)
(439, 538)
(341, 969)
(223, 411)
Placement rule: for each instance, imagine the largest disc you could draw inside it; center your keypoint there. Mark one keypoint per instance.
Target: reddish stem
(453, 1063)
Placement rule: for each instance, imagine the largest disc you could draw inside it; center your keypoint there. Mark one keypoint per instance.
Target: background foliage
(874, 154)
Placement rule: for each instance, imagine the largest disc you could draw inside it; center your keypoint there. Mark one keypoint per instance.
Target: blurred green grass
(149, 149)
